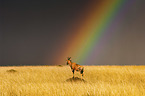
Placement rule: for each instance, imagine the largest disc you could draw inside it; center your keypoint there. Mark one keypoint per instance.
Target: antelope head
(68, 60)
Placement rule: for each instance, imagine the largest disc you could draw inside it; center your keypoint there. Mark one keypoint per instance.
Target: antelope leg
(73, 73)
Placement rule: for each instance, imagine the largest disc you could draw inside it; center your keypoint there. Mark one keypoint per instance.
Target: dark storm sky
(34, 32)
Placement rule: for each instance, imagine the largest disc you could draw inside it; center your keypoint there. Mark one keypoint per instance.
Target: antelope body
(75, 67)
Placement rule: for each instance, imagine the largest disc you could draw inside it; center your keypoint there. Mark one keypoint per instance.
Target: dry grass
(57, 81)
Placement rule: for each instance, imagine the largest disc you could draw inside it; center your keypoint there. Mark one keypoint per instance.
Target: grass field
(58, 81)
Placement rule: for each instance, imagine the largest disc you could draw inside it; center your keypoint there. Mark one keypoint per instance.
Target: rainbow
(91, 31)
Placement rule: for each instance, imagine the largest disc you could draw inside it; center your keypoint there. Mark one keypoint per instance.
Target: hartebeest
(75, 66)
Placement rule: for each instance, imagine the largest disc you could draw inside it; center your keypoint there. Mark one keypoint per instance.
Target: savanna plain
(58, 81)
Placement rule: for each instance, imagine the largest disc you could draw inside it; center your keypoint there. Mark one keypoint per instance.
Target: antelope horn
(68, 58)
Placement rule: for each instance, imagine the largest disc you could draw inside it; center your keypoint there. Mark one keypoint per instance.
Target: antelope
(75, 67)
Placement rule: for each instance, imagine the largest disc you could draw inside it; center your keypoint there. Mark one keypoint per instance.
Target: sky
(41, 32)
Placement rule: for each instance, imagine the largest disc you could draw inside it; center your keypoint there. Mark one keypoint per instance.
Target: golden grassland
(57, 81)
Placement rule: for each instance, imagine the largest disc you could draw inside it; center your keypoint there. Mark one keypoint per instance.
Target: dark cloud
(34, 32)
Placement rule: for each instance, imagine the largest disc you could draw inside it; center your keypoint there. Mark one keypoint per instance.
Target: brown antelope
(75, 66)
